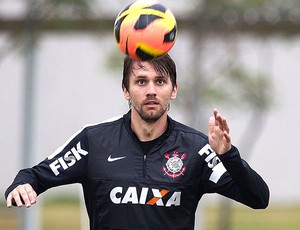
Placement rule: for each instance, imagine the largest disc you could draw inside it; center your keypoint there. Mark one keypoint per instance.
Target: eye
(160, 81)
(141, 82)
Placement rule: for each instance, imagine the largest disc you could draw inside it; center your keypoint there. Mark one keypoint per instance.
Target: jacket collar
(127, 124)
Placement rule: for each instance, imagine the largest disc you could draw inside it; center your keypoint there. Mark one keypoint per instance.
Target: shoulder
(187, 130)
(103, 125)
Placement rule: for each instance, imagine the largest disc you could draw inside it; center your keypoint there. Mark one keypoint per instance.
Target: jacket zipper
(144, 166)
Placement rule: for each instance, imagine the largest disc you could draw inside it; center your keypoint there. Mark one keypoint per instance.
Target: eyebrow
(157, 76)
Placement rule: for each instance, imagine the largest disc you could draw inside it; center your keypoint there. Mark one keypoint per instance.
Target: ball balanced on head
(145, 30)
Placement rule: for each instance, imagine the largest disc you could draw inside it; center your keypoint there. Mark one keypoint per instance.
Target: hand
(218, 133)
(23, 194)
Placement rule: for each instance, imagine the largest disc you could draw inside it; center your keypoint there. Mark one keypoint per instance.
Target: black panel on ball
(145, 20)
(144, 56)
(170, 37)
(157, 7)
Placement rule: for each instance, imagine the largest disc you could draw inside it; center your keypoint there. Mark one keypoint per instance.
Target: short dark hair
(163, 65)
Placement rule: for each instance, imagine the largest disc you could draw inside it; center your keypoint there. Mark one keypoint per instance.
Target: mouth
(151, 103)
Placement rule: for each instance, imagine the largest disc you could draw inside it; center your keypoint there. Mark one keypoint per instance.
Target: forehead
(145, 69)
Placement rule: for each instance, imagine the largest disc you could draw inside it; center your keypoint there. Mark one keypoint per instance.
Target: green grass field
(243, 218)
(64, 214)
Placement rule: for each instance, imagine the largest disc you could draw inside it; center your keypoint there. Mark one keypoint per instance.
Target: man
(145, 170)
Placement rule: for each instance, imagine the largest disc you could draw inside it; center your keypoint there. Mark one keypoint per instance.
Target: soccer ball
(145, 30)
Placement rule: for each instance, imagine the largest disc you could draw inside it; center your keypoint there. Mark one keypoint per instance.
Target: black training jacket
(127, 188)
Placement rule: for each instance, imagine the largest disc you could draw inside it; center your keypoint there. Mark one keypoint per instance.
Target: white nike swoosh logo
(111, 159)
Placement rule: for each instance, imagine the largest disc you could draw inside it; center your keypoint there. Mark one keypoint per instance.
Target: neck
(147, 131)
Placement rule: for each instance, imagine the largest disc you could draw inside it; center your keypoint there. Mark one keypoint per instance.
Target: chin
(152, 116)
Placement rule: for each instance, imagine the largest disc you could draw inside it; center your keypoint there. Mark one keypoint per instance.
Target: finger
(218, 117)
(219, 121)
(31, 194)
(211, 125)
(15, 196)
(9, 201)
(222, 122)
(227, 142)
(22, 196)
(225, 125)
(227, 137)
(215, 111)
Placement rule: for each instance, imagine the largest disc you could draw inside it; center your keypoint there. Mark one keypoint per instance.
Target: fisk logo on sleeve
(68, 160)
(213, 162)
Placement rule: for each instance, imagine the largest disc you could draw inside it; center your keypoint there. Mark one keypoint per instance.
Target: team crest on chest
(174, 166)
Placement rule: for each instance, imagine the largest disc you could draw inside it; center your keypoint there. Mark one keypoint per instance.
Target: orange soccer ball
(145, 30)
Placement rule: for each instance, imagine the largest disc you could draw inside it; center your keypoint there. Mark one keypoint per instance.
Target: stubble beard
(152, 115)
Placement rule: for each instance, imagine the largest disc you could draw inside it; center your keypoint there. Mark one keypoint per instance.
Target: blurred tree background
(225, 80)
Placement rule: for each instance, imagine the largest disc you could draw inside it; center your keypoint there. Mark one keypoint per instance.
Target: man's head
(149, 86)
(163, 66)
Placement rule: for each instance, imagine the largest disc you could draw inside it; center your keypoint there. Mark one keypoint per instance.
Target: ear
(126, 93)
(174, 92)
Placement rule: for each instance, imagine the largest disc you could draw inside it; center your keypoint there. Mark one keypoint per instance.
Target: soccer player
(145, 170)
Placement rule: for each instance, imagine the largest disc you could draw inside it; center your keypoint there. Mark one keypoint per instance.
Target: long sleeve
(240, 182)
(64, 166)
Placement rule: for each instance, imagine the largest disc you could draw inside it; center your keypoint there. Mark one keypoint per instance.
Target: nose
(151, 89)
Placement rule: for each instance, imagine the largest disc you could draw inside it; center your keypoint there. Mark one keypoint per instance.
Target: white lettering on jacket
(131, 195)
(213, 162)
(68, 160)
